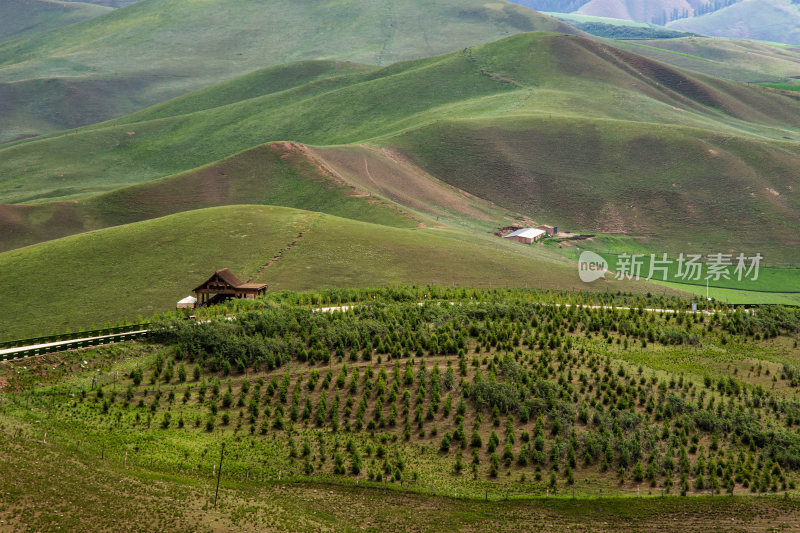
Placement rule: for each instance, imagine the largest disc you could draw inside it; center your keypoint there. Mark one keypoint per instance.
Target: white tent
(187, 303)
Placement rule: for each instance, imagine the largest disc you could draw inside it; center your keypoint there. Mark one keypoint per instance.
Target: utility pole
(219, 473)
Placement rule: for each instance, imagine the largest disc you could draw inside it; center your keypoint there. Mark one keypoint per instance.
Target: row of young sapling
(522, 388)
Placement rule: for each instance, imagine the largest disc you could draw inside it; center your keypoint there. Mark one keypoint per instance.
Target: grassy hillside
(495, 403)
(238, 37)
(78, 101)
(530, 74)
(576, 18)
(497, 121)
(616, 28)
(659, 184)
(276, 174)
(139, 500)
(33, 106)
(783, 86)
(738, 60)
(766, 20)
(21, 18)
(361, 183)
(146, 267)
(388, 174)
(735, 59)
(524, 75)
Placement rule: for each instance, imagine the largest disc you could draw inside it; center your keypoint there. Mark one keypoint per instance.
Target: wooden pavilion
(224, 285)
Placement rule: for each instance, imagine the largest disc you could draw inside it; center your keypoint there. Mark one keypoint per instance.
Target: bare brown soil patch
(387, 173)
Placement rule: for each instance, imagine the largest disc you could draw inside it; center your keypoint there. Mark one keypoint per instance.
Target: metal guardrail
(83, 342)
(70, 336)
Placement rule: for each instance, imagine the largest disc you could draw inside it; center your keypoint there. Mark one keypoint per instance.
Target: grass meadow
(146, 267)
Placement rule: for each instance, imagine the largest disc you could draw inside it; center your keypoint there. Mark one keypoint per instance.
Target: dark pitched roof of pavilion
(230, 278)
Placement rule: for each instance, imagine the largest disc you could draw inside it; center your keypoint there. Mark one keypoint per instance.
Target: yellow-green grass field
(146, 267)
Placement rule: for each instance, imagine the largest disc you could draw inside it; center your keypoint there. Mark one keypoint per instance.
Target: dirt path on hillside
(305, 228)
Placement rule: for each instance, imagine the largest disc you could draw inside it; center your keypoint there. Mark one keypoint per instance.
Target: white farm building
(526, 235)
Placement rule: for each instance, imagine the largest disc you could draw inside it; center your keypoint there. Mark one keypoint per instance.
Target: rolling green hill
(738, 60)
(238, 36)
(22, 18)
(360, 183)
(617, 28)
(276, 174)
(517, 122)
(658, 183)
(735, 59)
(146, 267)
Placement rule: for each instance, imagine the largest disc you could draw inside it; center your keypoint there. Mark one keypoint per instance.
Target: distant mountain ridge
(770, 20)
(557, 6)
(651, 11)
(765, 20)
